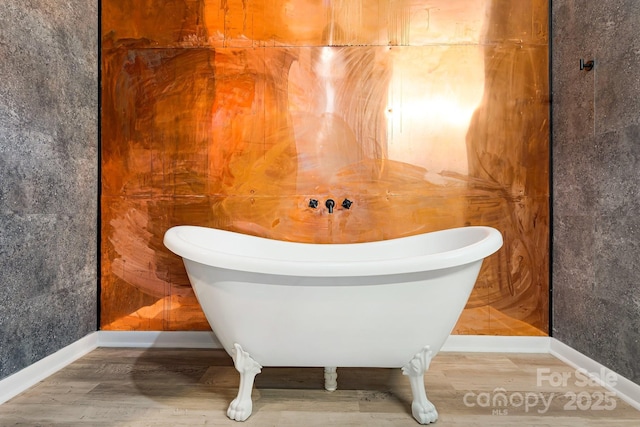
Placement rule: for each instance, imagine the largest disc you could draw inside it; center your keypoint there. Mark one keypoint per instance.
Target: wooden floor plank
(183, 387)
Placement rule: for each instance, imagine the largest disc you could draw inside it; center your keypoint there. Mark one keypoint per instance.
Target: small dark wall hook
(587, 66)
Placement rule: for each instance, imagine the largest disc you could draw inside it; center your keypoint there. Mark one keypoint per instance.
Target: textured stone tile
(617, 53)
(618, 262)
(575, 185)
(39, 326)
(596, 228)
(605, 98)
(28, 260)
(49, 293)
(616, 170)
(48, 178)
(602, 171)
(596, 185)
(605, 331)
(48, 107)
(574, 253)
(573, 93)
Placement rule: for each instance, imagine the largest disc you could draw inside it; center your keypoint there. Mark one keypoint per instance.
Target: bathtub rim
(490, 242)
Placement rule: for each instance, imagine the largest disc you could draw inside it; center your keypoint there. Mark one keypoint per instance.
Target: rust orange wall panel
(233, 114)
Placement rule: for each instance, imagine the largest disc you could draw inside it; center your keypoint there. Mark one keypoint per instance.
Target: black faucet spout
(330, 204)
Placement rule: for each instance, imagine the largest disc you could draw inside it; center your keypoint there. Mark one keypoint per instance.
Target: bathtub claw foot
(424, 414)
(241, 407)
(423, 411)
(239, 410)
(330, 379)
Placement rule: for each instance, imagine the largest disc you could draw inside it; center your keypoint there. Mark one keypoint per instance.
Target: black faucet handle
(346, 203)
(313, 203)
(330, 204)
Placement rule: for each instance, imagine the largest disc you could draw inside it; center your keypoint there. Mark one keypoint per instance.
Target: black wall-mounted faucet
(346, 203)
(330, 204)
(313, 203)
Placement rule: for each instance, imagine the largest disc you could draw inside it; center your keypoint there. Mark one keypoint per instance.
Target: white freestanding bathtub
(389, 303)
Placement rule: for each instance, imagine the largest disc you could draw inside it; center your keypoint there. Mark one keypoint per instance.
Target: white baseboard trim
(31, 375)
(15, 384)
(205, 339)
(496, 344)
(164, 339)
(622, 387)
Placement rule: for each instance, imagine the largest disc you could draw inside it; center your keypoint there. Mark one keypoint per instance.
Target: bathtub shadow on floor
(206, 380)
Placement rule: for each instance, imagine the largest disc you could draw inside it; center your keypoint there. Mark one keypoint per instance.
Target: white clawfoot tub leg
(330, 379)
(423, 411)
(241, 407)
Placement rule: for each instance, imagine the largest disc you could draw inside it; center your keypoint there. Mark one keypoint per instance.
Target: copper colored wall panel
(426, 114)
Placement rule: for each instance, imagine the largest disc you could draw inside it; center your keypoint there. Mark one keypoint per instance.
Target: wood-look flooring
(170, 387)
